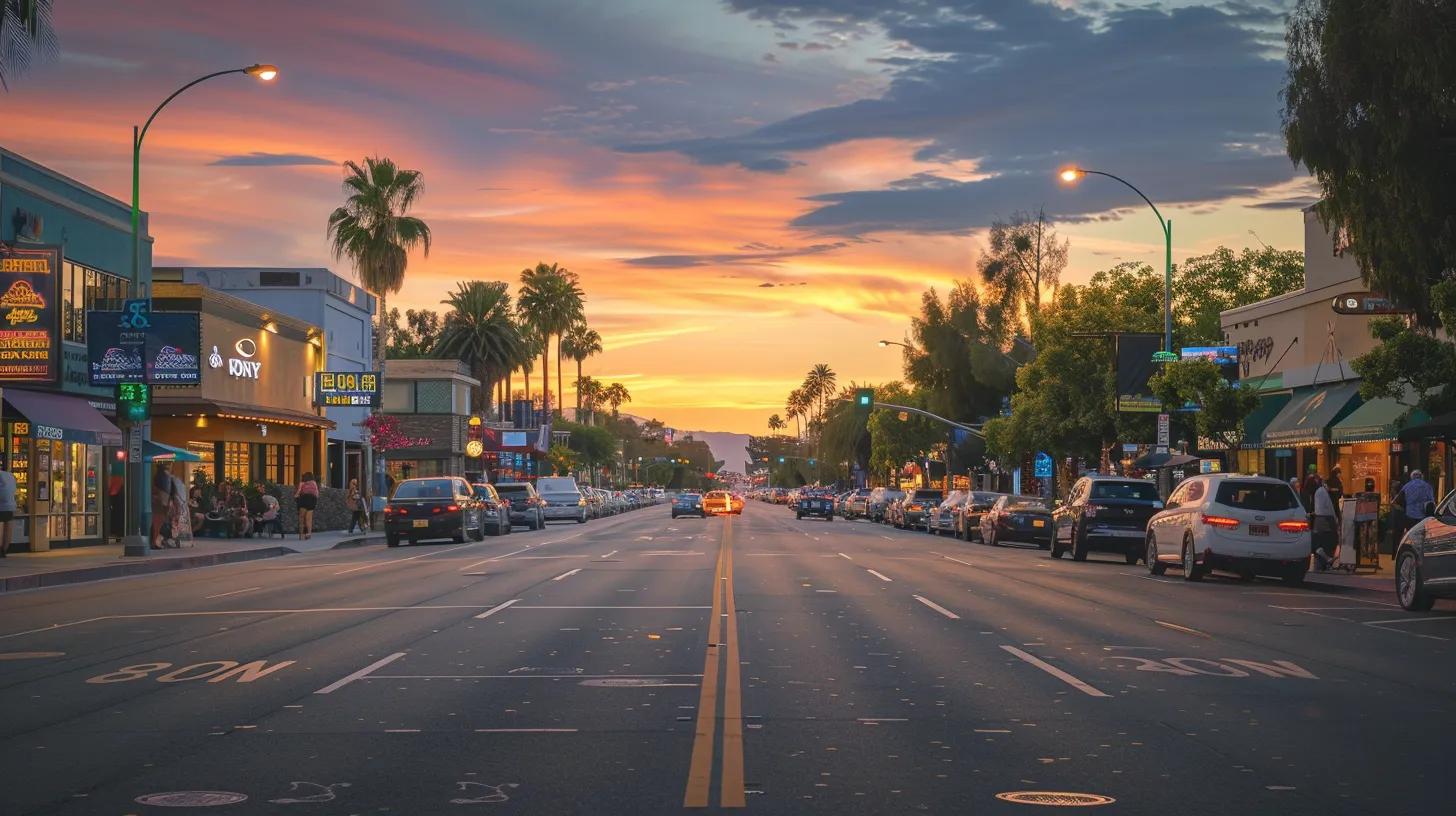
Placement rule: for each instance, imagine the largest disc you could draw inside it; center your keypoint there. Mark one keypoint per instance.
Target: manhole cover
(1056, 798)
(192, 799)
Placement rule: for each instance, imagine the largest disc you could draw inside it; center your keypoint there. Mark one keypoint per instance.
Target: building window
(462, 399)
(206, 459)
(433, 397)
(399, 397)
(85, 288)
(237, 461)
(278, 277)
(290, 465)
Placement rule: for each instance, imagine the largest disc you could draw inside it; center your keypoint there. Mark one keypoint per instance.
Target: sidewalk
(1382, 582)
(79, 564)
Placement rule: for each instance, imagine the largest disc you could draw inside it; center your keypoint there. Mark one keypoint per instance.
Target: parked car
(858, 503)
(942, 516)
(496, 510)
(813, 504)
(525, 504)
(968, 515)
(880, 501)
(437, 507)
(911, 512)
(721, 502)
(1425, 560)
(596, 502)
(1018, 518)
(1105, 514)
(688, 504)
(561, 499)
(1250, 525)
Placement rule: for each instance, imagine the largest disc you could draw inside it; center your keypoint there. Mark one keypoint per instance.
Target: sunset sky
(746, 187)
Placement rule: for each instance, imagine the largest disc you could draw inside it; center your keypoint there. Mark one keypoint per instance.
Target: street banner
(30, 313)
(1163, 431)
(161, 348)
(1043, 465)
(1135, 367)
(174, 349)
(1225, 357)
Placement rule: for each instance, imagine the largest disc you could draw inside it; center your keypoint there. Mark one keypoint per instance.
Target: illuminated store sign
(28, 313)
(243, 365)
(356, 389)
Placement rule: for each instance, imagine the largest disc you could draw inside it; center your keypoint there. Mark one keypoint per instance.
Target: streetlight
(1072, 175)
(138, 539)
(887, 343)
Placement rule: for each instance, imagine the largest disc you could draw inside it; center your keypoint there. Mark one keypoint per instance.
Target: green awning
(1376, 421)
(1308, 416)
(1258, 419)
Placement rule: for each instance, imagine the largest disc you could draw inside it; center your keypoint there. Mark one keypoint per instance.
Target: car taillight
(389, 511)
(452, 508)
(1091, 510)
(1294, 526)
(1221, 521)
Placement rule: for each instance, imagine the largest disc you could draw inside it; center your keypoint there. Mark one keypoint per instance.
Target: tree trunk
(546, 377)
(560, 386)
(578, 389)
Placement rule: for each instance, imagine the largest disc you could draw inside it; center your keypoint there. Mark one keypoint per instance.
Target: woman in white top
(1324, 536)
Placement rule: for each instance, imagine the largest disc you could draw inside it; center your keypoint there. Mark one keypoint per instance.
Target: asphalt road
(638, 665)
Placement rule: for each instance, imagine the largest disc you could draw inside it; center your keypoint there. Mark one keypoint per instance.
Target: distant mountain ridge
(730, 448)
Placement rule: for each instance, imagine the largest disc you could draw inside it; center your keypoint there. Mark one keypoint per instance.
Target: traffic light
(781, 460)
(813, 462)
(133, 401)
(864, 400)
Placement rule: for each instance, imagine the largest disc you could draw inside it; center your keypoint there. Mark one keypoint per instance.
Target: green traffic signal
(133, 401)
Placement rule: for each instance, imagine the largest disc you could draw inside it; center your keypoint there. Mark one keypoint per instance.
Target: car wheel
(479, 534)
(994, 540)
(1410, 587)
(799, 516)
(1155, 567)
(1132, 555)
(581, 519)
(464, 534)
(1047, 545)
(392, 539)
(1191, 570)
(1057, 549)
(1294, 576)
(674, 515)
(1079, 545)
(829, 518)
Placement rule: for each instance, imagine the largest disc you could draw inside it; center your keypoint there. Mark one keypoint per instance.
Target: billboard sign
(358, 389)
(30, 313)
(1134, 368)
(161, 348)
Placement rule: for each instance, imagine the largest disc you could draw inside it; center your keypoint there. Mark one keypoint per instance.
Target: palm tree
(776, 423)
(530, 347)
(615, 395)
(823, 378)
(795, 407)
(592, 393)
(373, 231)
(550, 301)
(479, 331)
(579, 343)
(27, 37)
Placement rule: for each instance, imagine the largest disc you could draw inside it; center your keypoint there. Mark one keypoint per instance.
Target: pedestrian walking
(1324, 537)
(7, 504)
(354, 501)
(306, 496)
(1336, 486)
(162, 489)
(1417, 494)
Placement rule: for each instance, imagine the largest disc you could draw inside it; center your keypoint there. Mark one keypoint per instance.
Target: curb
(362, 541)
(78, 576)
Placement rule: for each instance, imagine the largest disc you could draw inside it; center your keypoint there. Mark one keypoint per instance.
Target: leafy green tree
(956, 356)
(415, 339)
(374, 230)
(562, 458)
(895, 441)
(550, 302)
(27, 37)
(1222, 406)
(1367, 108)
(1205, 285)
(478, 330)
(1022, 260)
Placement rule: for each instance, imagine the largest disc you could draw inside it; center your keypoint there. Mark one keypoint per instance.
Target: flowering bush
(385, 435)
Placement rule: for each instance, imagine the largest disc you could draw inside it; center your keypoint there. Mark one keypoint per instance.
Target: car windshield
(927, 496)
(482, 492)
(1026, 505)
(1146, 491)
(425, 489)
(1251, 495)
(515, 491)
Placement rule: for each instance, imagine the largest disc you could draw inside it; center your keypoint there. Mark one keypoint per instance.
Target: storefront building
(1296, 350)
(64, 249)
(318, 297)
(431, 399)
(252, 419)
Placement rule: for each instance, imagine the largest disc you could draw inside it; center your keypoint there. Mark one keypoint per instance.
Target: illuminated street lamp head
(884, 344)
(1072, 174)
(262, 71)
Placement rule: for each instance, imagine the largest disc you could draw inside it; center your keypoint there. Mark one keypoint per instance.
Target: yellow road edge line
(700, 769)
(731, 793)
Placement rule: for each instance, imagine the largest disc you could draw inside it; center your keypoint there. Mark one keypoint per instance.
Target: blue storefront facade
(64, 249)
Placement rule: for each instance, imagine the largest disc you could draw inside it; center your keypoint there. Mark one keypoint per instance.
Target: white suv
(1250, 525)
(561, 499)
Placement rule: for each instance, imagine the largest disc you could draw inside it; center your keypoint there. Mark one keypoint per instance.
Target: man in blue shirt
(1417, 494)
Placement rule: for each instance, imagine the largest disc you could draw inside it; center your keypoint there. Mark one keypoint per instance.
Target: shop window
(433, 397)
(290, 465)
(237, 461)
(398, 397)
(85, 288)
(206, 464)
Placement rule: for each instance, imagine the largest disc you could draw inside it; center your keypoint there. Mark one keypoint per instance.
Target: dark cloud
(1296, 203)
(758, 254)
(259, 159)
(1182, 102)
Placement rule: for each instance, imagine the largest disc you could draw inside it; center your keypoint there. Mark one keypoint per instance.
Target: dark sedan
(440, 507)
(810, 504)
(688, 504)
(1106, 514)
(496, 510)
(968, 515)
(1018, 518)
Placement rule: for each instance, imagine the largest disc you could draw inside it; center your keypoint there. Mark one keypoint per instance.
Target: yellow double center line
(722, 653)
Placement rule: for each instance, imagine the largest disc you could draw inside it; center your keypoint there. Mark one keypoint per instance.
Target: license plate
(1259, 529)
(422, 522)
(1038, 523)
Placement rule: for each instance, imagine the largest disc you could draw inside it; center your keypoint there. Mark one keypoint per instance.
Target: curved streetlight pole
(263, 72)
(137, 538)
(1073, 174)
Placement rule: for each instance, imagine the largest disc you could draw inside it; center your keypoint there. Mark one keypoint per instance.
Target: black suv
(1106, 514)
